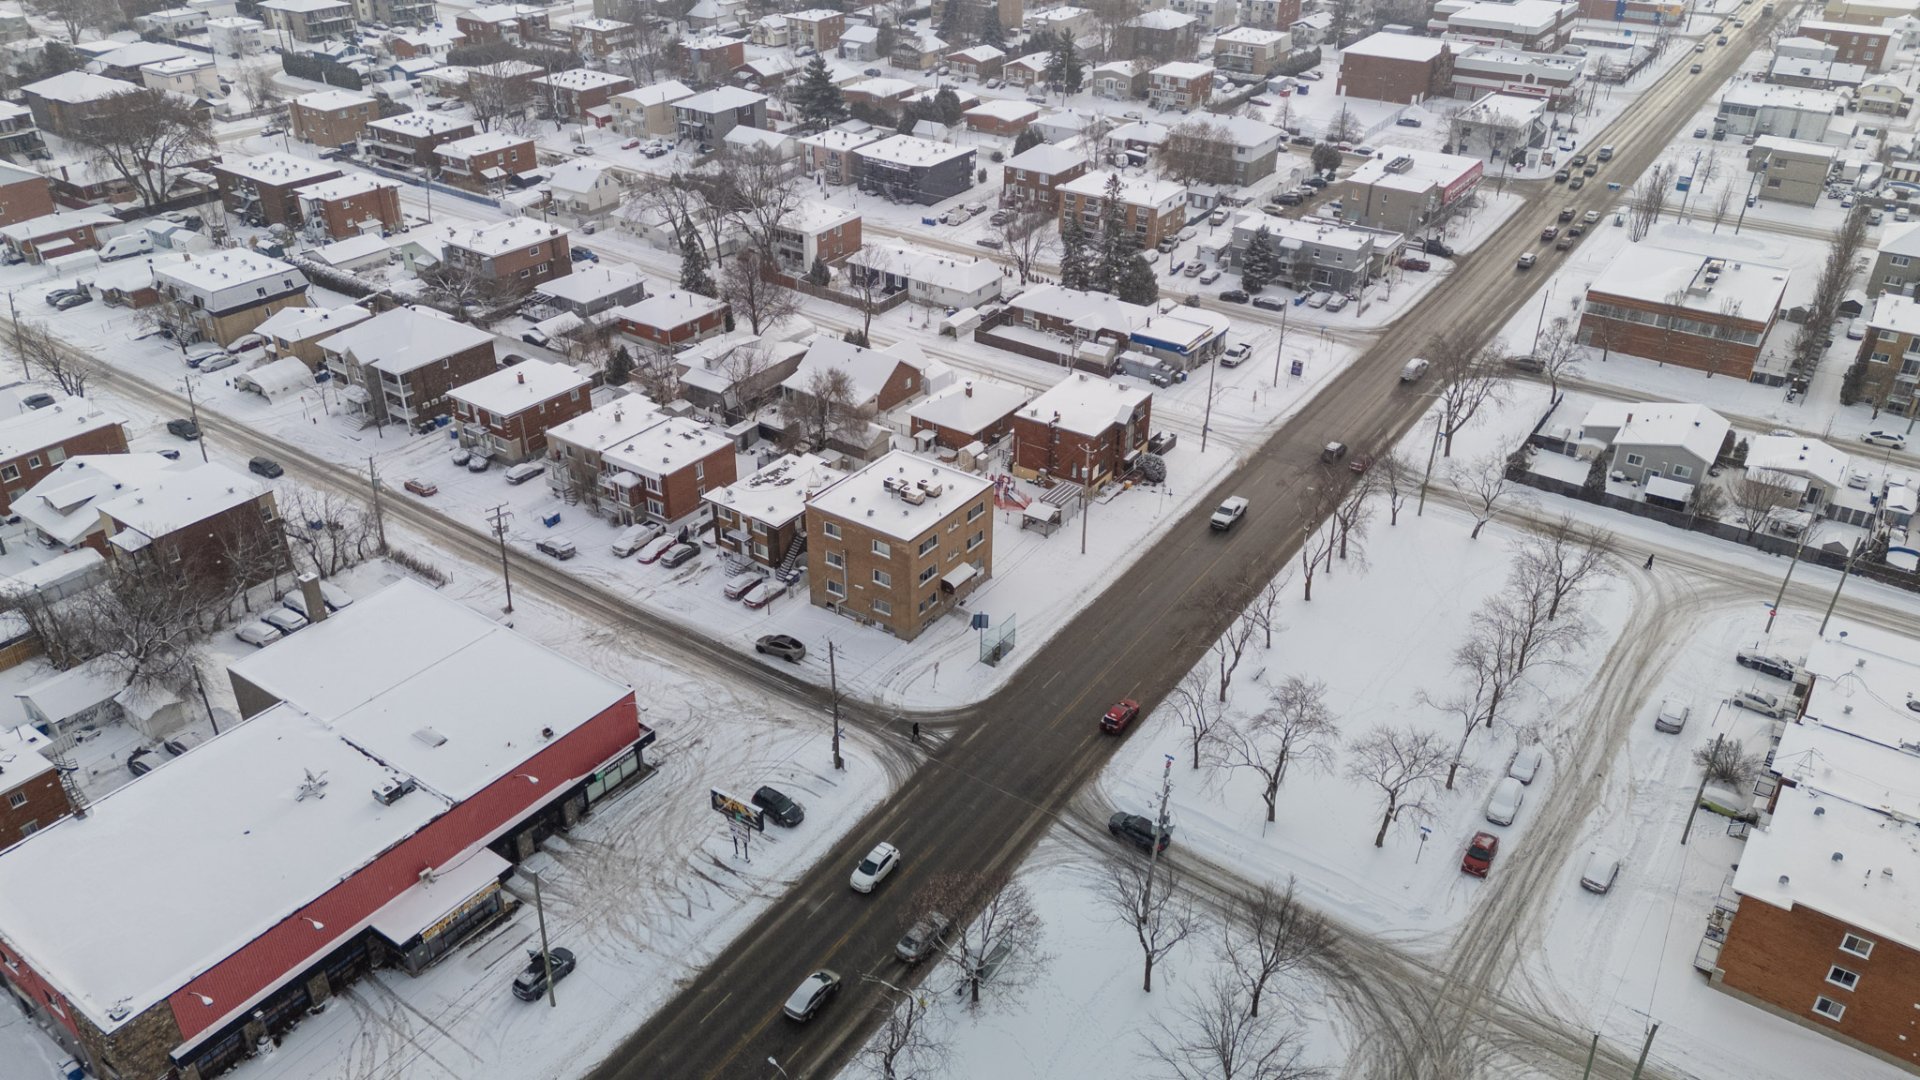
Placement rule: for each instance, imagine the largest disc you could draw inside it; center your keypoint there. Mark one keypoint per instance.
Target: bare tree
(1649, 200)
(1469, 376)
(501, 97)
(995, 926)
(904, 1047)
(1318, 534)
(750, 290)
(1198, 151)
(1400, 480)
(1146, 896)
(1027, 237)
(745, 367)
(765, 192)
(1296, 728)
(656, 370)
(42, 354)
(1352, 513)
(76, 15)
(1218, 1038)
(1726, 762)
(1403, 765)
(1757, 494)
(1268, 934)
(147, 138)
(346, 536)
(1193, 700)
(1517, 616)
(825, 407)
(1264, 608)
(1485, 481)
(1559, 353)
(1569, 556)
(1232, 644)
(868, 282)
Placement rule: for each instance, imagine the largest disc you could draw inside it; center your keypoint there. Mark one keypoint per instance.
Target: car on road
(784, 646)
(783, 810)
(1576, 183)
(285, 620)
(1566, 213)
(1672, 716)
(1360, 463)
(1269, 303)
(1504, 804)
(1138, 831)
(812, 995)
(556, 547)
(1760, 701)
(883, 860)
(185, 429)
(1547, 234)
(1526, 763)
(531, 983)
(265, 466)
(1599, 873)
(1236, 353)
(1480, 853)
(1591, 217)
(1562, 176)
(1230, 511)
(1766, 664)
(1526, 261)
(257, 634)
(679, 555)
(1123, 713)
(1891, 439)
(1333, 452)
(422, 488)
(1720, 41)
(1694, 69)
(923, 937)
(1234, 296)
(1414, 370)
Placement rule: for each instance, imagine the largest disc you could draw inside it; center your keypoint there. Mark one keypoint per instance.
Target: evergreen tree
(1076, 271)
(990, 32)
(694, 277)
(817, 273)
(816, 99)
(619, 366)
(1259, 265)
(1136, 282)
(909, 116)
(1116, 242)
(1065, 68)
(947, 104)
(953, 21)
(1852, 383)
(1026, 141)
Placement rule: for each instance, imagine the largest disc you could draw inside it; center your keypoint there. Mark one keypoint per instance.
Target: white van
(1504, 806)
(525, 471)
(126, 246)
(1415, 368)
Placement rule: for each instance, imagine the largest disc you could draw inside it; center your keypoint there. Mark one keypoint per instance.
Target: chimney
(520, 377)
(310, 592)
(969, 387)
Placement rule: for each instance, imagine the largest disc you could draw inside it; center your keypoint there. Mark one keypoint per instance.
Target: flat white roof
(672, 308)
(177, 498)
(1182, 69)
(522, 386)
(961, 273)
(867, 497)
(1425, 169)
(1162, 19)
(719, 100)
(1845, 861)
(301, 5)
(1251, 35)
(778, 492)
(970, 406)
(405, 338)
(297, 324)
(420, 123)
(22, 757)
(1005, 109)
(907, 150)
(1776, 96)
(484, 143)
(1136, 190)
(1524, 15)
(593, 282)
(37, 429)
(505, 236)
(1802, 147)
(660, 93)
(1087, 405)
(1658, 275)
(1900, 238)
(1046, 158)
(278, 169)
(605, 425)
(581, 79)
(346, 186)
(1900, 314)
(1397, 47)
(666, 447)
(225, 269)
(75, 87)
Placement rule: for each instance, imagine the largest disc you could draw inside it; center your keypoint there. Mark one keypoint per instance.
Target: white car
(285, 620)
(1504, 805)
(1601, 869)
(1236, 354)
(874, 869)
(1526, 764)
(257, 634)
(1672, 716)
(1885, 438)
(334, 596)
(1768, 705)
(1212, 275)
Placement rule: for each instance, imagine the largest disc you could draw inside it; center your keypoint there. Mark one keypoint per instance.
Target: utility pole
(13, 316)
(1845, 571)
(1592, 1050)
(1540, 324)
(193, 411)
(1206, 422)
(498, 518)
(1086, 491)
(379, 516)
(833, 681)
(1644, 1048)
(1280, 347)
(1782, 594)
(1688, 194)
(1702, 789)
(546, 954)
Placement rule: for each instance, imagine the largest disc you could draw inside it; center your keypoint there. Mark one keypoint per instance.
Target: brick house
(224, 294)
(602, 37)
(1250, 51)
(975, 411)
(711, 59)
(829, 154)
(1003, 117)
(517, 254)
(68, 102)
(980, 63)
(1025, 71)
(1032, 178)
(31, 796)
(1162, 36)
(24, 195)
(192, 519)
(820, 28)
(408, 140)
(38, 441)
(351, 205)
(1706, 312)
(1404, 190)
(575, 447)
(508, 412)
(671, 318)
(331, 117)
(1155, 209)
(576, 94)
(1182, 85)
(1872, 47)
(815, 231)
(1397, 67)
(501, 22)
(764, 517)
(400, 365)
(18, 134)
(1270, 14)
(914, 170)
(483, 162)
(1084, 427)
(62, 232)
(899, 543)
(664, 472)
(1889, 357)
(266, 188)
(648, 110)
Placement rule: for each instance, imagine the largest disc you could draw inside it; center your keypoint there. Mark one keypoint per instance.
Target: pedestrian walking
(1649, 561)
(916, 731)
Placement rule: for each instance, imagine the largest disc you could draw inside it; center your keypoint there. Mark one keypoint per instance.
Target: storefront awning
(433, 901)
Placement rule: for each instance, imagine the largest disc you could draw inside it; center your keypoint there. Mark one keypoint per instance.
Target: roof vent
(430, 737)
(1837, 856)
(314, 787)
(1783, 879)
(1819, 811)
(394, 792)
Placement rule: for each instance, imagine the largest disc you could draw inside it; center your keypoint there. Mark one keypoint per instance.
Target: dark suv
(531, 983)
(782, 810)
(1764, 664)
(1137, 830)
(185, 429)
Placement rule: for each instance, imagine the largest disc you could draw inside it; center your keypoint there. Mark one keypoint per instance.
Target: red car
(1118, 717)
(1479, 857)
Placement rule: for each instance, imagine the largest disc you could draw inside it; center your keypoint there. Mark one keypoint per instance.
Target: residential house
(1068, 19)
(1253, 149)
(124, 62)
(1154, 209)
(1884, 96)
(1002, 116)
(648, 110)
(1319, 254)
(1501, 124)
(236, 36)
(222, 295)
(772, 72)
(515, 23)
(31, 795)
(815, 232)
(1408, 191)
(507, 414)
(979, 63)
(930, 277)
(1160, 36)
(828, 154)
(602, 37)
(582, 95)
(1811, 475)
(395, 12)
(504, 80)
(734, 373)
(909, 169)
(170, 24)
(298, 331)
(974, 411)
(1027, 71)
(351, 206)
(401, 365)
(876, 380)
(1084, 429)
(1896, 261)
(1889, 358)
(899, 543)
(515, 255)
(331, 117)
(583, 191)
(587, 292)
(306, 22)
(188, 76)
(18, 134)
(667, 319)
(62, 232)
(38, 441)
(266, 189)
(1677, 441)
(818, 29)
(408, 140)
(763, 517)
(663, 473)
(1793, 170)
(431, 43)
(859, 43)
(1250, 51)
(24, 195)
(918, 50)
(777, 145)
(68, 102)
(1213, 15)
(1032, 178)
(706, 118)
(575, 447)
(889, 96)
(1122, 80)
(711, 58)
(770, 32)
(484, 162)
(1707, 311)
(1396, 67)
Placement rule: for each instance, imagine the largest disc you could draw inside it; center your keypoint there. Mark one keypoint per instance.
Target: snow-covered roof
(1846, 28)
(1658, 275)
(1008, 110)
(298, 6)
(1828, 70)
(605, 26)
(66, 504)
(1848, 862)
(1047, 159)
(1089, 310)
(752, 138)
(179, 65)
(1187, 70)
(907, 150)
(722, 99)
(230, 268)
(22, 751)
(810, 218)
(1896, 313)
(608, 424)
(814, 15)
(1086, 405)
(1901, 238)
(659, 93)
(970, 406)
(979, 54)
(841, 139)
(666, 447)
(867, 370)
(1695, 428)
(1797, 455)
(1801, 147)
(487, 142)
(505, 236)
(1424, 169)
(883, 88)
(277, 379)
(1775, 96)
(78, 87)
(1251, 35)
(404, 339)
(861, 35)
(868, 497)
(353, 250)
(172, 500)
(1397, 47)
(591, 283)
(522, 386)
(298, 324)
(141, 53)
(347, 186)
(1134, 190)
(778, 492)
(671, 308)
(1533, 16)
(419, 123)
(581, 79)
(73, 691)
(280, 170)
(37, 429)
(936, 269)
(1505, 110)
(1162, 19)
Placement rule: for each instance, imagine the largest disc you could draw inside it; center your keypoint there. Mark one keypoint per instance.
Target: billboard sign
(739, 810)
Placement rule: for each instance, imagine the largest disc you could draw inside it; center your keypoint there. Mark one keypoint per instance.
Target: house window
(29, 829)
(976, 539)
(1856, 945)
(883, 579)
(881, 607)
(927, 574)
(882, 549)
(760, 551)
(1829, 1008)
(1636, 460)
(9, 472)
(830, 530)
(1681, 472)
(929, 544)
(836, 560)
(1899, 260)
(524, 273)
(533, 252)
(1842, 978)
(974, 514)
(17, 799)
(33, 462)
(835, 589)
(653, 484)
(759, 528)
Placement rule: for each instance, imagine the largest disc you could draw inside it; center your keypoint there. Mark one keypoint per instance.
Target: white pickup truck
(1229, 512)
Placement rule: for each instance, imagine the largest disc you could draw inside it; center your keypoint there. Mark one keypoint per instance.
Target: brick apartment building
(407, 141)
(513, 255)
(1032, 178)
(1162, 36)
(1083, 429)
(38, 441)
(763, 517)
(1250, 51)
(1002, 117)
(193, 520)
(507, 413)
(899, 543)
(62, 232)
(664, 473)
(306, 22)
(821, 28)
(1397, 67)
(711, 59)
(602, 37)
(224, 294)
(31, 795)
(24, 195)
(1270, 14)
(501, 22)
(1706, 312)
(483, 162)
(1889, 357)
(671, 318)
(1155, 209)
(1533, 25)
(1181, 86)
(576, 447)
(980, 63)
(829, 154)
(815, 232)
(1872, 47)
(400, 365)
(331, 117)
(576, 94)
(351, 205)
(267, 188)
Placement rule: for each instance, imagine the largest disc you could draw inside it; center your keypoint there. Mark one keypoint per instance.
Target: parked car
(1504, 804)
(783, 810)
(923, 937)
(1672, 716)
(1775, 666)
(1236, 354)
(267, 467)
(1337, 302)
(1418, 265)
(203, 352)
(1480, 853)
(219, 363)
(740, 584)
(1892, 439)
(73, 300)
(1768, 705)
(1230, 511)
(1599, 873)
(257, 634)
(635, 537)
(764, 593)
(422, 488)
(1526, 763)
(524, 472)
(478, 461)
(657, 547)
(37, 401)
(1121, 714)
(1138, 831)
(812, 995)
(531, 983)
(53, 298)
(882, 861)
(181, 742)
(140, 763)
(285, 620)
(557, 547)
(679, 555)
(1212, 275)
(784, 646)
(1194, 269)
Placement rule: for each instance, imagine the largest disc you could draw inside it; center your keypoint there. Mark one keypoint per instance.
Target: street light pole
(1431, 452)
